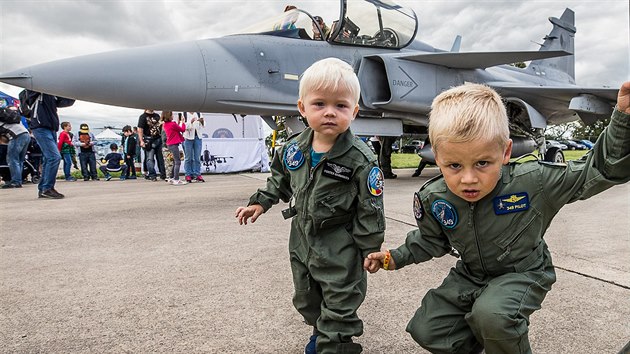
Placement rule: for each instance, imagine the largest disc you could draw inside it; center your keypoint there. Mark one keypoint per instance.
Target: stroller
(29, 172)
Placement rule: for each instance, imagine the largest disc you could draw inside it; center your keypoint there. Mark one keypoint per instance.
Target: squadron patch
(444, 213)
(511, 203)
(293, 157)
(418, 212)
(337, 171)
(375, 181)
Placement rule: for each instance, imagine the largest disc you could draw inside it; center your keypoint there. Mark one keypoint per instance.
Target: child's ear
(508, 152)
(356, 111)
(300, 106)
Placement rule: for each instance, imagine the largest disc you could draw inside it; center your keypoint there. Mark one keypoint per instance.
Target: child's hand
(381, 258)
(623, 99)
(244, 213)
(372, 265)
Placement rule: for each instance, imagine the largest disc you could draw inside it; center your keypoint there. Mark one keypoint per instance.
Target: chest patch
(418, 212)
(445, 213)
(293, 157)
(511, 203)
(375, 181)
(337, 171)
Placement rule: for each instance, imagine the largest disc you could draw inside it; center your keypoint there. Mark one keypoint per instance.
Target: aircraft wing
(555, 92)
(480, 60)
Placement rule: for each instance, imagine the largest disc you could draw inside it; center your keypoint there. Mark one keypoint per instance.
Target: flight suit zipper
(471, 223)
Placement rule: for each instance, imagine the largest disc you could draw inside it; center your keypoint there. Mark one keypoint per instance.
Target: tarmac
(139, 267)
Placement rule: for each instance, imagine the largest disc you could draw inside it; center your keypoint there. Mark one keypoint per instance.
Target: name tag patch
(337, 171)
(445, 213)
(511, 203)
(293, 157)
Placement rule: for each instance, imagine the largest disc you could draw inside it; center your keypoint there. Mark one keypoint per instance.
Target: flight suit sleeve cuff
(255, 199)
(400, 256)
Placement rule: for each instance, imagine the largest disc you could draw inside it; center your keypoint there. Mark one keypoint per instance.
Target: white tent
(232, 144)
(108, 134)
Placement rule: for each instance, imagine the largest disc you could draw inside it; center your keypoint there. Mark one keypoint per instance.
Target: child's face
(68, 127)
(471, 170)
(127, 133)
(328, 112)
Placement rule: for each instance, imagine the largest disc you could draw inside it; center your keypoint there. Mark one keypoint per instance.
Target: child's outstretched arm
(623, 98)
(253, 211)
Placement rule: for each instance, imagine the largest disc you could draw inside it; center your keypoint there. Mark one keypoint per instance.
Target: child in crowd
(494, 213)
(66, 149)
(335, 188)
(174, 137)
(129, 151)
(113, 160)
(86, 142)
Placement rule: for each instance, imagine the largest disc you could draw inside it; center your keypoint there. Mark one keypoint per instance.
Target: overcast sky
(37, 31)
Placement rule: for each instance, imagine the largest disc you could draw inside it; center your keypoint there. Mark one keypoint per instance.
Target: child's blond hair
(330, 74)
(467, 113)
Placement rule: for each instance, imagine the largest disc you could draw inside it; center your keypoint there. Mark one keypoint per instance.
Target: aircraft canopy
(366, 23)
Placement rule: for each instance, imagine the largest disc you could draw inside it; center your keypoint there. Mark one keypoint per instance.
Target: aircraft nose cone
(157, 77)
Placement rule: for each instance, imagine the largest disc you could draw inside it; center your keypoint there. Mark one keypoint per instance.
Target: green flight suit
(338, 219)
(505, 269)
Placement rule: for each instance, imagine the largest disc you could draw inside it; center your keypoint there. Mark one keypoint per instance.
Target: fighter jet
(257, 73)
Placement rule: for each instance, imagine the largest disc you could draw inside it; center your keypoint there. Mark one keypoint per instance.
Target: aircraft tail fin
(561, 37)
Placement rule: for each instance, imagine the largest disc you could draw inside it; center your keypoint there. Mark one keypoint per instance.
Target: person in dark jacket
(44, 125)
(129, 151)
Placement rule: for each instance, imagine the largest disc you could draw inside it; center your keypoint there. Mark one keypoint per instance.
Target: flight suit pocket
(524, 238)
(331, 208)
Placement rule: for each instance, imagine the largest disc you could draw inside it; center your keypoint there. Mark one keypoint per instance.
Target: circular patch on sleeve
(293, 157)
(418, 212)
(375, 181)
(444, 213)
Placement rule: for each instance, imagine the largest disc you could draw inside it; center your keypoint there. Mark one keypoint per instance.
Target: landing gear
(554, 154)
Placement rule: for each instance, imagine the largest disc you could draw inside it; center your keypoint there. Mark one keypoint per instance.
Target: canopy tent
(108, 134)
(233, 144)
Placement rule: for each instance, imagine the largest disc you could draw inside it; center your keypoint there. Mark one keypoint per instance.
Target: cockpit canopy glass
(369, 23)
(376, 23)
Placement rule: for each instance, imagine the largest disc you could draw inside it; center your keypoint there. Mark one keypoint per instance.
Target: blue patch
(293, 157)
(444, 213)
(418, 211)
(375, 181)
(511, 203)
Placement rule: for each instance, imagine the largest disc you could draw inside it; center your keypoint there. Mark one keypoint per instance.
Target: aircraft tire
(554, 154)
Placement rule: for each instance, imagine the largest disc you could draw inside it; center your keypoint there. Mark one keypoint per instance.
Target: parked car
(572, 145)
(412, 147)
(550, 143)
(589, 144)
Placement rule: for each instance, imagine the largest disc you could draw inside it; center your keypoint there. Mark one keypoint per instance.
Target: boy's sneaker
(200, 179)
(177, 182)
(133, 177)
(189, 179)
(108, 177)
(70, 179)
(122, 178)
(311, 347)
(85, 179)
(51, 194)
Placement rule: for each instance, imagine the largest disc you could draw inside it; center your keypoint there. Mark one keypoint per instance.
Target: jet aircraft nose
(158, 77)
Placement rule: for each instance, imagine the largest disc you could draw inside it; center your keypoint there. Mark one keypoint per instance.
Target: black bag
(28, 109)
(9, 116)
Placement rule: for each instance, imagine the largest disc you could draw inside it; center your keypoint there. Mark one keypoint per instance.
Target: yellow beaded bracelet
(388, 256)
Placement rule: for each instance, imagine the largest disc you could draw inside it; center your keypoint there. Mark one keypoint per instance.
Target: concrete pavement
(139, 266)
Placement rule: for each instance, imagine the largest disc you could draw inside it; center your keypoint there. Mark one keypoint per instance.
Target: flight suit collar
(344, 142)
